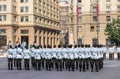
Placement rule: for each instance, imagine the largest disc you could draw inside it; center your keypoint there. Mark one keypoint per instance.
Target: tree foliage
(113, 32)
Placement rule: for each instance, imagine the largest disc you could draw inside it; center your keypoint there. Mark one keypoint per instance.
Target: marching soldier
(33, 50)
(19, 56)
(10, 58)
(9, 44)
(111, 52)
(26, 58)
(17, 43)
(14, 56)
(118, 52)
(48, 58)
(38, 58)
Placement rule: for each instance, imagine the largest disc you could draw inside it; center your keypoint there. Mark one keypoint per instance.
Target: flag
(77, 10)
(97, 9)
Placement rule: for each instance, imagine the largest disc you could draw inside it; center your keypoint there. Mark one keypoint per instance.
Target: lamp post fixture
(97, 28)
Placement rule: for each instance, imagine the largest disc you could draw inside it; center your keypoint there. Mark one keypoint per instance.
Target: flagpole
(97, 25)
(77, 24)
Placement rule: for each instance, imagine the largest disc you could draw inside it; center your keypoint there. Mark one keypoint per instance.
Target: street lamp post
(97, 30)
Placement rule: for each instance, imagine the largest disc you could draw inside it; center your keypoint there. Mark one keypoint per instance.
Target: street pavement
(111, 71)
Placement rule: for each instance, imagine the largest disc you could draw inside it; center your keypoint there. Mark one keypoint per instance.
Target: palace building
(30, 20)
(92, 19)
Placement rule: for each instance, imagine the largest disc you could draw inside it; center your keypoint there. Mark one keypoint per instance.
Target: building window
(24, 31)
(80, 19)
(21, 9)
(24, 19)
(94, 9)
(2, 31)
(118, 7)
(92, 28)
(79, 1)
(107, 0)
(97, 28)
(3, 40)
(79, 29)
(94, 18)
(14, 18)
(23, 1)
(0, 7)
(108, 18)
(94, 41)
(24, 9)
(108, 9)
(79, 41)
(118, 17)
(4, 7)
(2, 17)
(80, 9)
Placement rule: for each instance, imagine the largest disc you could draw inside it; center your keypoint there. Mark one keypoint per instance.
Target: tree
(113, 32)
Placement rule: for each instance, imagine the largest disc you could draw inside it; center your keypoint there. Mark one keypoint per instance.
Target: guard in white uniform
(38, 58)
(14, 56)
(111, 52)
(9, 44)
(26, 55)
(19, 56)
(10, 58)
(118, 52)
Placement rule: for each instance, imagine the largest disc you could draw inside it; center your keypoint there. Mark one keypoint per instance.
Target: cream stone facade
(30, 20)
(88, 29)
(64, 6)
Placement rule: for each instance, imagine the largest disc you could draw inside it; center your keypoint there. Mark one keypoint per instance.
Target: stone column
(42, 35)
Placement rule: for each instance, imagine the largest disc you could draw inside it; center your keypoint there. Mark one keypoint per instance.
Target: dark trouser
(38, 64)
(87, 63)
(59, 64)
(15, 62)
(84, 65)
(73, 64)
(104, 56)
(48, 64)
(19, 64)
(111, 56)
(80, 64)
(76, 64)
(92, 64)
(43, 63)
(96, 65)
(33, 62)
(26, 64)
(118, 56)
(10, 63)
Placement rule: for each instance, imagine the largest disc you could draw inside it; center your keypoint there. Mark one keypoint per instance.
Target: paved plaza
(111, 71)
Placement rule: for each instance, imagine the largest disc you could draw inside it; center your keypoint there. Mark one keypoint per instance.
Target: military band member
(10, 58)
(26, 56)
